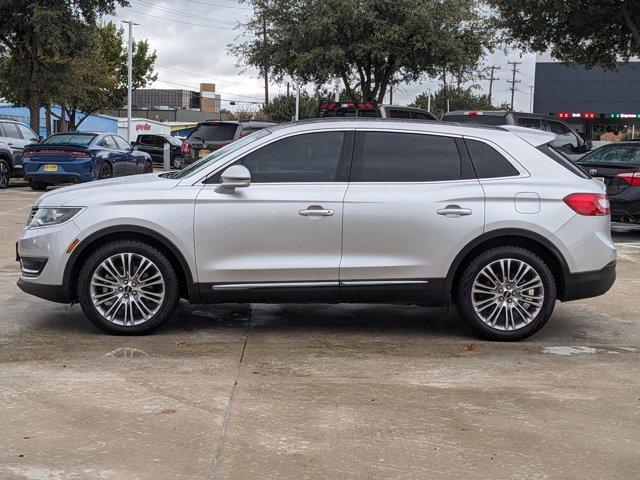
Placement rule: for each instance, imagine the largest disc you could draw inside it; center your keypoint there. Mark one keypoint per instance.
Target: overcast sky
(191, 38)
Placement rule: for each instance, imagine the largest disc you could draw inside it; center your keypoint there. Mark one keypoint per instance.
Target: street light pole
(131, 23)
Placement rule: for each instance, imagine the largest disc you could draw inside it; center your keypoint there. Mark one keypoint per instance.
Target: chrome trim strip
(354, 283)
(251, 286)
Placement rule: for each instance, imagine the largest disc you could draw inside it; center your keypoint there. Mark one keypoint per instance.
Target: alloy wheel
(507, 294)
(127, 289)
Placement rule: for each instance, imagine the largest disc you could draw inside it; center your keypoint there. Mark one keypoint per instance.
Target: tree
(282, 108)
(367, 44)
(35, 36)
(460, 98)
(591, 32)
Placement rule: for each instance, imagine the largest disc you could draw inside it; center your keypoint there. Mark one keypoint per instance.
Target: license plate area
(50, 167)
(203, 152)
(600, 179)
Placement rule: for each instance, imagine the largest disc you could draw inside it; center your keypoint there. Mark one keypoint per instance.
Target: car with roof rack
(371, 109)
(490, 219)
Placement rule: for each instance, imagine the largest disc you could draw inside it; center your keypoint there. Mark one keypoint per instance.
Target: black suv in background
(153, 144)
(370, 109)
(568, 141)
(214, 134)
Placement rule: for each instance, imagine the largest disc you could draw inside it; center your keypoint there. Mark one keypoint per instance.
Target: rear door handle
(454, 211)
(315, 211)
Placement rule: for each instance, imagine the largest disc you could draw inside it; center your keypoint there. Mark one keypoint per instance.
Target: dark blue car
(76, 157)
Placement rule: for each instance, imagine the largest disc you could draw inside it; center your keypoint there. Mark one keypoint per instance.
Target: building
(92, 123)
(593, 100)
(206, 100)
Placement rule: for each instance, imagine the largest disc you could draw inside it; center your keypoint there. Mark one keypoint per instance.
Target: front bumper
(589, 284)
(53, 293)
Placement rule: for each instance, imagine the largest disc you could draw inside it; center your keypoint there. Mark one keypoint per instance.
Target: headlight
(45, 217)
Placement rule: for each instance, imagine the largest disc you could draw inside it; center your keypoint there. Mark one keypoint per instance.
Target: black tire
(105, 171)
(5, 173)
(178, 162)
(473, 269)
(148, 167)
(171, 287)
(38, 186)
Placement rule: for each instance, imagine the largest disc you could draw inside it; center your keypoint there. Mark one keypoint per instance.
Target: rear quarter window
(488, 162)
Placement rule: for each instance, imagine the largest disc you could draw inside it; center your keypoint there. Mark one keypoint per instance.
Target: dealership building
(593, 100)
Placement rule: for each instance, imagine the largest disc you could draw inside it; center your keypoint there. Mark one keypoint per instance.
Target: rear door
(116, 157)
(131, 161)
(413, 202)
(148, 144)
(13, 137)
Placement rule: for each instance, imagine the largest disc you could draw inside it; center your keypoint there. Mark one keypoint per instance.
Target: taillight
(28, 154)
(185, 148)
(633, 179)
(590, 204)
(79, 154)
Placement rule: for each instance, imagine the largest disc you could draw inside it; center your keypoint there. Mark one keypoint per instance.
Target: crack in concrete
(225, 422)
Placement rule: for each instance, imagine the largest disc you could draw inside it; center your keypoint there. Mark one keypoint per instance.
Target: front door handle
(315, 211)
(454, 211)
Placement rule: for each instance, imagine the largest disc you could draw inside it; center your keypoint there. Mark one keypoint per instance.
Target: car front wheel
(506, 293)
(127, 287)
(5, 173)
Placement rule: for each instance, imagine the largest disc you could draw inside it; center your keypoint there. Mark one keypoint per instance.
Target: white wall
(140, 126)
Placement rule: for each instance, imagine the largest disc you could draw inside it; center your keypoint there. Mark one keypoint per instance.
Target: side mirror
(236, 176)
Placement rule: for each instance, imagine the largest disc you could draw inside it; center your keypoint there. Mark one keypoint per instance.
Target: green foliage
(282, 108)
(368, 44)
(592, 32)
(460, 98)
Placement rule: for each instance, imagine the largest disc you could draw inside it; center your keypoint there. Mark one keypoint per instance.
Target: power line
(178, 21)
(201, 75)
(221, 6)
(188, 15)
(195, 88)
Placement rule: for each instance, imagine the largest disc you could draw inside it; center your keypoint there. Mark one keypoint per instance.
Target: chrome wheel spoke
(507, 294)
(127, 289)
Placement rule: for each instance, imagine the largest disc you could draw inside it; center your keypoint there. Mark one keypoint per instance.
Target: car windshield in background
(81, 140)
(174, 141)
(216, 155)
(624, 155)
(215, 132)
(478, 119)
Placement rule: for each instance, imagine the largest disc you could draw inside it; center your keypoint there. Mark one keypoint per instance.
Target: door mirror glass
(236, 176)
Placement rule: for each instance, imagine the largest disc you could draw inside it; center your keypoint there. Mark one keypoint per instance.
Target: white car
(362, 210)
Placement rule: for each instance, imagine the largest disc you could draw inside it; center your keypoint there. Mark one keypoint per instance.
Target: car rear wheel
(128, 288)
(105, 171)
(38, 186)
(178, 162)
(148, 167)
(506, 293)
(5, 173)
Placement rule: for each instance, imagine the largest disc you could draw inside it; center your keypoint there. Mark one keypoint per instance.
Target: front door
(282, 235)
(412, 204)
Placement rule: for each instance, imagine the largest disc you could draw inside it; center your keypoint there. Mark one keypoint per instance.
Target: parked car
(75, 157)
(370, 109)
(567, 140)
(337, 211)
(618, 166)
(211, 135)
(153, 144)
(14, 136)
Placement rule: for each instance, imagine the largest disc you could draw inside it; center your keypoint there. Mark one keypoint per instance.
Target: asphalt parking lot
(316, 391)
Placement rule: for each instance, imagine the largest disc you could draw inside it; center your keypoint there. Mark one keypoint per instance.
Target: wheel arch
(8, 158)
(129, 232)
(538, 244)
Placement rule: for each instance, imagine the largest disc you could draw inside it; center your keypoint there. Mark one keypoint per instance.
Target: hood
(74, 195)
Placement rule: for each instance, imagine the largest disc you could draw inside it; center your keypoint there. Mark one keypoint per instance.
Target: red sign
(143, 127)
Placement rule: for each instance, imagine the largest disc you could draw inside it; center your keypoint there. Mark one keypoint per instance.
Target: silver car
(14, 136)
(363, 210)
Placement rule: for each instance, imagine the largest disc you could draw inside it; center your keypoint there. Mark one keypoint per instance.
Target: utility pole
(513, 80)
(491, 79)
(266, 66)
(131, 23)
(531, 98)
(297, 117)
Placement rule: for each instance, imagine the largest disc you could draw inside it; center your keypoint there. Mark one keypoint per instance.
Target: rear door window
(11, 130)
(121, 142)
(418, 115)
(399, 113)
(146, 139)
(405, 157)
(488, 162)
(27, 133)
(215, 132)
(530, 123)
(109, 142)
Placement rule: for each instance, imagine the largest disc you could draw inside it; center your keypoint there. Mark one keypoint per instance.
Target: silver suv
(362, 210)
(14, 136)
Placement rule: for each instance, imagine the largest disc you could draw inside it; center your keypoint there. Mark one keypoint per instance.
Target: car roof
(500, 113)
(364, 122)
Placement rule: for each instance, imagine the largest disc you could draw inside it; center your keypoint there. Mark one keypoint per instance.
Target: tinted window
(488, 162)
(214, 132)
(27, 134)
(399, 113)
(420, 115)
(530, 123)
(623, 155)
(109, 142)
(146, 139)
(11, 130)
(312, 157)
(121, 142)
(406, 157)
(479, 119)
(69, 139)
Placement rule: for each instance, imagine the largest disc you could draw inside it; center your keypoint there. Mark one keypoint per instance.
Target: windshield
(69, 139)
(217, 155)
(624, 155)
(215, 132)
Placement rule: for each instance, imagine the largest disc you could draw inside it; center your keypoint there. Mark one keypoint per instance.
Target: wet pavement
(316, 391)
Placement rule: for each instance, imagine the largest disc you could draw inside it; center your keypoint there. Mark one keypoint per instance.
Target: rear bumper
(68, 172)
(589, 284)
(56, 178)
(625, 206)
